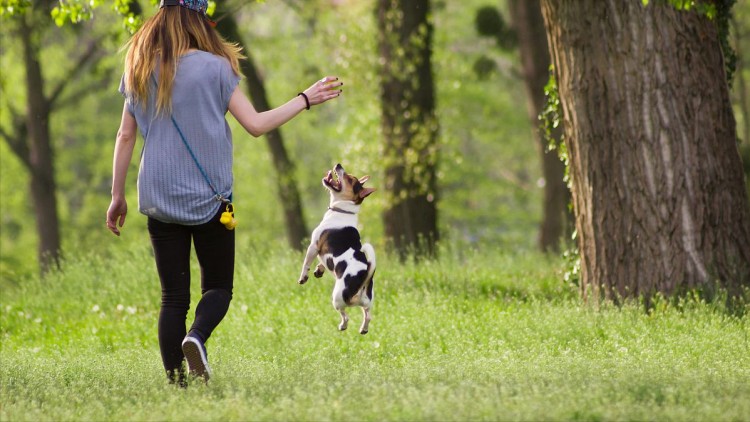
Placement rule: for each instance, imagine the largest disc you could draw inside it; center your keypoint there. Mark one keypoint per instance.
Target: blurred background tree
(527, 35)
(489, 180)
(27, 129)
(409, 126)
(289, 197)
(290, 41)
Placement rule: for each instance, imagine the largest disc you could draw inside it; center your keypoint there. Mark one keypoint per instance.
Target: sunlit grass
(475, 336)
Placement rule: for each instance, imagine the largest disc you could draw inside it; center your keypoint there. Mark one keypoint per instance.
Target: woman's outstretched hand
(323, 90)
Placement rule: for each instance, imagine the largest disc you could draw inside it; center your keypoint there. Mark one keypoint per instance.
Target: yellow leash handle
(227, 217)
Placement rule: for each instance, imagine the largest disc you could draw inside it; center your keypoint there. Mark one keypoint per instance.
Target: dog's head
(345, 187)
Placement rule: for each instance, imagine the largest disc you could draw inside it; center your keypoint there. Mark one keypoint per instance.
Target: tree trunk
(739, 77)
(409, 125)
(285, 180)
(43, 199)
(658, 188)
(557, 221)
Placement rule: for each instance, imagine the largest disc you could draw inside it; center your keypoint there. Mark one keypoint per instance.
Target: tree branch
(17, 140)
(82, 62)
(81, 92)
(219, 18)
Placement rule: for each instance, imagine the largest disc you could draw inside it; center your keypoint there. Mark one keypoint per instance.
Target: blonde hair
(166, 36)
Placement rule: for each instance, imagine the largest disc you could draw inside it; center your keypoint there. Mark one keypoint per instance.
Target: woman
(180, 79)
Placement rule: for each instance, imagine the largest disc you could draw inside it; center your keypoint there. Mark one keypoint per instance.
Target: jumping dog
(337, 244)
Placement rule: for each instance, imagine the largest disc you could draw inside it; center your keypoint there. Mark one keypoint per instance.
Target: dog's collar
(340, 210)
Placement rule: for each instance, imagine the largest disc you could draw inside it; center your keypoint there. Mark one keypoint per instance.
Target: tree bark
(289, 196)
(43, 192)
(409, 125)
(657, 182)
(557, 220)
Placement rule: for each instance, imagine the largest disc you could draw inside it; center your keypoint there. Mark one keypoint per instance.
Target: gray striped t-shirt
(171, 188)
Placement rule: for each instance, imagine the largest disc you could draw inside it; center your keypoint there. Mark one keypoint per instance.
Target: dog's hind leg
(319, 270)
(370, 254)
(368, 292)
(344, 320)
(365, 320)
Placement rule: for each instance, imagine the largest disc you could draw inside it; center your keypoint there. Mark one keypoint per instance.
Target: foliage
(487, 167)
(489, 22)
(572, 269)
(76, 11)
(9, 8)
(703, 7)
(475, 336)
(551, 118)
(723, 19)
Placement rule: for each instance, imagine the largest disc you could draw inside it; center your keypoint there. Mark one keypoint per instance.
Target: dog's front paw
(302, 280)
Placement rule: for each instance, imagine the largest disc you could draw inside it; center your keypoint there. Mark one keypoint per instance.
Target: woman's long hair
(166, 36)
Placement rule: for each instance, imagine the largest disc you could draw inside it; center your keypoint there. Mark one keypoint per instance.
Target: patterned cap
(199, 6)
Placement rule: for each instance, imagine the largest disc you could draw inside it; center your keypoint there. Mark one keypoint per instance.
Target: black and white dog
(337, 244)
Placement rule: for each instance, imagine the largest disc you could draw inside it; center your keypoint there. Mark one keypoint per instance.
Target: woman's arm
(124, 144)
(259, 123)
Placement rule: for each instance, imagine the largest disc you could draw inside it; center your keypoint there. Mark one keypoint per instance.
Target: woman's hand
(118, 209)
(323, 90)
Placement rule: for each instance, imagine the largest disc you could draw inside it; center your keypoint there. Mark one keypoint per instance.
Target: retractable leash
(227, 217)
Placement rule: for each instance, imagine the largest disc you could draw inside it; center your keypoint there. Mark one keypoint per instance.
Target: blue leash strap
(218, 196)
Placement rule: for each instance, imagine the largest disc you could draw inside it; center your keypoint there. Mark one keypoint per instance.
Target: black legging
(214, 246)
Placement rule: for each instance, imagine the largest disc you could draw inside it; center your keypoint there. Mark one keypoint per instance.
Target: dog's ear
(365, 192)
(363, 179)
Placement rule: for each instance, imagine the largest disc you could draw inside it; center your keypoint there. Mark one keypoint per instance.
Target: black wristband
(307, 100)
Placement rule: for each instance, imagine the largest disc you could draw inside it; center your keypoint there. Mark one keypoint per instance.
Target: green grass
(475, 336)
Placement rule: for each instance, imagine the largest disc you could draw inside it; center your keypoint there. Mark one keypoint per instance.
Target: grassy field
(476, 336)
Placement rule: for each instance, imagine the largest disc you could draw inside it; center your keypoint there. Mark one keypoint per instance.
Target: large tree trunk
(43, 200)
(409, 125)
(528, 23)
(285, 181)
(658, 187)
